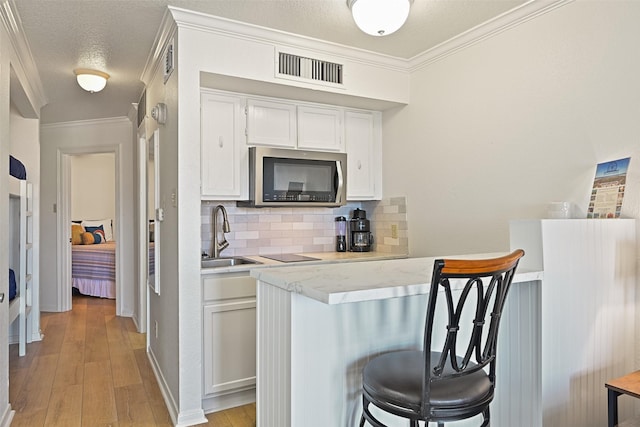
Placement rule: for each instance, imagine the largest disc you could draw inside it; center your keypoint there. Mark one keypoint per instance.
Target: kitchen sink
(226, 262)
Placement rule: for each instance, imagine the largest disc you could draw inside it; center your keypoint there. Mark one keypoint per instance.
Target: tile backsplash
(384, 215)
(263, 231)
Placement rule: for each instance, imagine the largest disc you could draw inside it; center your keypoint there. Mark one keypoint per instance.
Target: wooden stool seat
(628, 384)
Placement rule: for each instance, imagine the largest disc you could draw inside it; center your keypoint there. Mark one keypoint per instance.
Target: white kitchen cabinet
(363, 144)
(224, 155)
(229, 347)
(320, 128)
(231, 122)
(271, 122)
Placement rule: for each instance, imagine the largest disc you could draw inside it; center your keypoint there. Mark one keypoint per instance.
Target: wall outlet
(156, 329)
(394, 231)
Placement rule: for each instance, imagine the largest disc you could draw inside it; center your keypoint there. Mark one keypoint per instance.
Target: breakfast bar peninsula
(318, 325)
(569, 325)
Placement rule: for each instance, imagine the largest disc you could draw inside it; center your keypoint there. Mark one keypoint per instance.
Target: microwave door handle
(340, 179)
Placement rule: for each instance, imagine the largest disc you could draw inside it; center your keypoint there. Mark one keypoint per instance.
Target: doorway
(89, 194)
(92, 212)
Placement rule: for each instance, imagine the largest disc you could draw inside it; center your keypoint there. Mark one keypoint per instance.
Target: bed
(93, 265)
(21, 246)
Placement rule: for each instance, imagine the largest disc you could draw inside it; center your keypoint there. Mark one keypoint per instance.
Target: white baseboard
(180, 419)
(14, 339)
(226, 401)
(164, 387)
(37, 336)
(195, 417)
(7, 416)
(50, 308)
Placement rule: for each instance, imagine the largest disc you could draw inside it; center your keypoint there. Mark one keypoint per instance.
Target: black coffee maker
(360, 237)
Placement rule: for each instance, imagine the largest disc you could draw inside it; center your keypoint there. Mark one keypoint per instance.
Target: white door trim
(143, 238)
(64, 219)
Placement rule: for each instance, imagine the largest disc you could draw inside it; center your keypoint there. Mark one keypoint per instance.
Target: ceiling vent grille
(168, 62)
(309, 68)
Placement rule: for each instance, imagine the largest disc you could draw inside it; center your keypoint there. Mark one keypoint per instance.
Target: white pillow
(106, 226)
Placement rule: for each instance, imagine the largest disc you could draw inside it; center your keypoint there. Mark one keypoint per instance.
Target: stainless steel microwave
(283, 177)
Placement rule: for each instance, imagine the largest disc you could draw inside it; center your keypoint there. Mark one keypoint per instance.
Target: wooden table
(628, 384)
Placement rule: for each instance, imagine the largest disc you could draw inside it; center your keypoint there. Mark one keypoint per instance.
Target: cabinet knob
(220, 141)
(359, 165)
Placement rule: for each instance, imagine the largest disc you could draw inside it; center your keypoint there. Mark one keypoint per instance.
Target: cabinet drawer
(225, 287)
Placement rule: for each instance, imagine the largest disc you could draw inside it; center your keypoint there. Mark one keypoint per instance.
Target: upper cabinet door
(320, 128)
(224, 155)
(271, 123)
(364, 155)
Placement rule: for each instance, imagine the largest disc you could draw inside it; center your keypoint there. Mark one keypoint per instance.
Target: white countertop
(363, 281)
(322, 258)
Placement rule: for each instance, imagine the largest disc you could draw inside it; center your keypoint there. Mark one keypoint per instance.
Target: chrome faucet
(222, 245)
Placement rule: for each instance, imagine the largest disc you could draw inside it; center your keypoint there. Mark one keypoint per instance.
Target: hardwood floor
(91, 369)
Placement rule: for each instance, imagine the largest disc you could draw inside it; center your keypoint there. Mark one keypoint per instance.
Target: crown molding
(22, 59)
(524, 13)
(163, 37)
(90, 122)
(241, 30)
(176, 18)
(213, 24)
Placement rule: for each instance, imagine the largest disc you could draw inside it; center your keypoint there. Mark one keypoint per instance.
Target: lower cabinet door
(229, 346)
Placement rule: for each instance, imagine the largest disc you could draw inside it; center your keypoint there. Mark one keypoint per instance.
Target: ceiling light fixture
(91, 80)
(379, 17)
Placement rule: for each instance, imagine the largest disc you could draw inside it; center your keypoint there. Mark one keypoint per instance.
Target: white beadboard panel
(330, 344)
(518, 387)
(273, 388)
(588, 313)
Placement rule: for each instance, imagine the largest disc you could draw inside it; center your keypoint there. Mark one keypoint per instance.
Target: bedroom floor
(91, 369)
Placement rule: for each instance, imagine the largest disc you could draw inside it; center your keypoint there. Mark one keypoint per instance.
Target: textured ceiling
(116, 36)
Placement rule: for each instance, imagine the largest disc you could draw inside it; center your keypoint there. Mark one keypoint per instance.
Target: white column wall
(587, 313)
(165, 310)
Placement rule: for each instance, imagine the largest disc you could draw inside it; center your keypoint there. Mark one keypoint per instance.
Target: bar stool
(442, 385)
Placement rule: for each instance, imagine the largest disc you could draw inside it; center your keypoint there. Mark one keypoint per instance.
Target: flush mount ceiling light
(379, 17)
(91, 80)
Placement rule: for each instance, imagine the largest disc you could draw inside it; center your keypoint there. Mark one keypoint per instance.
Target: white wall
(5, 46)
(107, 135)
(166, 310)
(24, 144)
(19, 85)
(502, 128)
(93, 189)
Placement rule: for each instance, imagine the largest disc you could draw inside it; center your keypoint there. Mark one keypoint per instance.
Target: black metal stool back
(455, 376)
